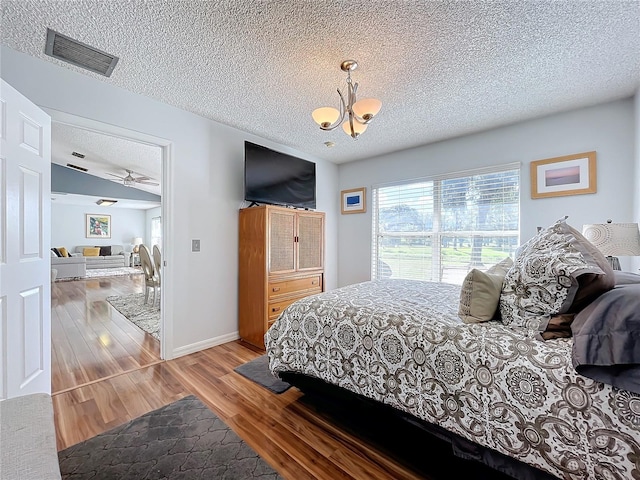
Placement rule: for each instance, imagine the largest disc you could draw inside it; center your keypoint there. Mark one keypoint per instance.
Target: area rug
(183, 440)
(112, 272)
(258, 371)
(145, 316)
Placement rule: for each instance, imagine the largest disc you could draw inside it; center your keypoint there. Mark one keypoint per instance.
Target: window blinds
(439, 228)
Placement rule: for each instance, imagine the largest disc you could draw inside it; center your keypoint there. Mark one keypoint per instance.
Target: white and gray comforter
(400, 342)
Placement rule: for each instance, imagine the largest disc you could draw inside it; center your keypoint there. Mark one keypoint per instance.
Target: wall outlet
(195, 245)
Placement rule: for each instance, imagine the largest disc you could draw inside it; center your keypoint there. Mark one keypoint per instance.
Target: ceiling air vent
(79, 155)
(82, 169)
(79, 54)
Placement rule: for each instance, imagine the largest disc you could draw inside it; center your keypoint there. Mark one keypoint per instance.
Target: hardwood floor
(90, 339)
(301, 438)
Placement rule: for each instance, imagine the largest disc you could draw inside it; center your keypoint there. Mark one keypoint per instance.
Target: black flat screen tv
(276, 178)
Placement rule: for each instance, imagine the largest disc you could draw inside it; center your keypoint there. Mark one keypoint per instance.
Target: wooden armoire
(281, 259)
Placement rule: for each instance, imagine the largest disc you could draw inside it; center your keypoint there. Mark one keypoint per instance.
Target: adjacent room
(317, 239)
(105, 220)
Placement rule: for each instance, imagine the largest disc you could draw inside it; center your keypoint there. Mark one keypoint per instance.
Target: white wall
(203, 197)
(608, 129)
(68, 225)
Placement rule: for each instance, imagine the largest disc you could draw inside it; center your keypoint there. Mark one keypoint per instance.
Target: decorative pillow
(56, 251)
(502, 266)
(63, 252)
(91, 252)
(480, 293)
(53, 254)
(543, 280)
(591, 285)
(559, 326)
(105, 251)
(626, 278)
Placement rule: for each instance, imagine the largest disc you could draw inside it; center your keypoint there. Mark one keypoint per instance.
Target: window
(156, 232)
(439, 228)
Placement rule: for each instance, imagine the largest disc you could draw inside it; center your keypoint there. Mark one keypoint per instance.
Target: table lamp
(614, 239)
(136, 241)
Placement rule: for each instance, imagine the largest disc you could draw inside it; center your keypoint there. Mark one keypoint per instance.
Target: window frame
(436, 234)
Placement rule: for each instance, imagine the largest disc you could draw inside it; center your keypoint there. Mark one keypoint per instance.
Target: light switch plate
(195, 245)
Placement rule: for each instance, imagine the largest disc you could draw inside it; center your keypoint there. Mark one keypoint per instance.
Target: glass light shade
(358, 127)
(325, 116)
(367, 108)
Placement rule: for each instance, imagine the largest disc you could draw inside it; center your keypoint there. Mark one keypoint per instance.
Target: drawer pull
(275, 309)
(275, 289)
(314, 282)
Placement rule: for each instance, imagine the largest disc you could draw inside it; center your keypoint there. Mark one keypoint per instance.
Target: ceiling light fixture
(359, 112)
(106, 203)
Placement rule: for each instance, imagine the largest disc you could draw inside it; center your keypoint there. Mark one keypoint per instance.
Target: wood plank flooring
(300, 438)
(91, 340)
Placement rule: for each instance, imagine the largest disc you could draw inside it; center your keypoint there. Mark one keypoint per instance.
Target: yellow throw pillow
(63, 251)
(91, 252)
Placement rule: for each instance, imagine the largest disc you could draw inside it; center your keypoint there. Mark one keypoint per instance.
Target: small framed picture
(354, 201)
(568, 175)
(98, 226)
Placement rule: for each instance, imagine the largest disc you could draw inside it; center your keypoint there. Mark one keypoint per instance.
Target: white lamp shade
(367, 108)
(325, 115)
(358, 127)
(614, 239)
(136, 241)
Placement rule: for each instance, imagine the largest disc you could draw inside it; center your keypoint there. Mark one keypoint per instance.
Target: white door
(25, 259)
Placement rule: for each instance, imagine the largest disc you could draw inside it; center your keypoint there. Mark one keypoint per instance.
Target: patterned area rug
(183, 440)
(132, 306)
(112, 272)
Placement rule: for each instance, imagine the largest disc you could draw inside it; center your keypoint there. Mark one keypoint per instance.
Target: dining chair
(151, 280)
(157, 262)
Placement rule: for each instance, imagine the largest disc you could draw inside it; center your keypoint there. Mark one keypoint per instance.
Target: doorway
(95, 329)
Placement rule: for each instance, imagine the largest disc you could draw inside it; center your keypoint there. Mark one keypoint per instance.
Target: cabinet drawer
(275, 308)
(294, 285)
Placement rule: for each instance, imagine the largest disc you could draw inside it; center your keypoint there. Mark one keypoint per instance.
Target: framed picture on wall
(568, 175)
(354, 201)
(98, 226)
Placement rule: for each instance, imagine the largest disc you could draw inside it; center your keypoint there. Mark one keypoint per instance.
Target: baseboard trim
(211, 342)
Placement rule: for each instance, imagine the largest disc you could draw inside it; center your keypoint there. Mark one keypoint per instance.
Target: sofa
(74, 266)
(28, 438)
(117, 257)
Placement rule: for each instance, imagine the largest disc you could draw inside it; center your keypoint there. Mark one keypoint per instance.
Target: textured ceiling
(106, 155)
(441, 69)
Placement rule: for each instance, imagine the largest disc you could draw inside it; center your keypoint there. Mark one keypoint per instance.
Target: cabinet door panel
(310, 239)
(281, 242)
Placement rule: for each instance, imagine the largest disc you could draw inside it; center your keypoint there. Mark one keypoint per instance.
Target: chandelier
(358, 112)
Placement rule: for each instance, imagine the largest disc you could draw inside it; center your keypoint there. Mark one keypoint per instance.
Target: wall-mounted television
(276, 178)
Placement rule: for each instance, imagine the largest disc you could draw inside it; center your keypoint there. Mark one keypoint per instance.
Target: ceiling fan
(130, 180)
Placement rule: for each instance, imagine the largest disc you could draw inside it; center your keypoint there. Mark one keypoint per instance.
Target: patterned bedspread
(400, 342)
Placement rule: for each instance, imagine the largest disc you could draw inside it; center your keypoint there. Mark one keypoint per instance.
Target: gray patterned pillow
(543, 279)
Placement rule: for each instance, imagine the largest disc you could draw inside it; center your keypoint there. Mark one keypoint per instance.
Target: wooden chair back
(146, 262)
(157, 260)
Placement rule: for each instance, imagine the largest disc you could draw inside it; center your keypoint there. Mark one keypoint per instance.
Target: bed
(510, 386)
